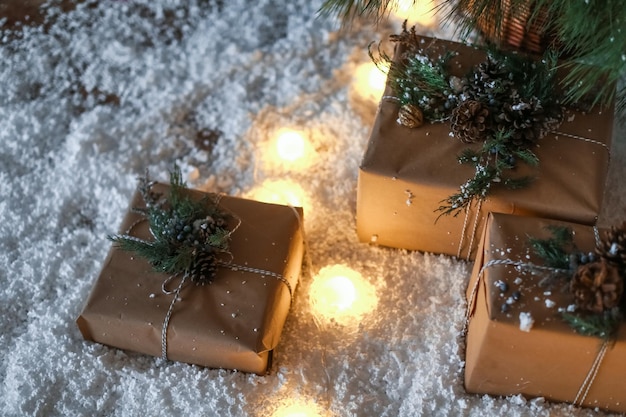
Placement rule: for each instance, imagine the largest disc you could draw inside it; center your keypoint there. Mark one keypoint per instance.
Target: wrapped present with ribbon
(198, 278)
(545, 312)
(463, 131)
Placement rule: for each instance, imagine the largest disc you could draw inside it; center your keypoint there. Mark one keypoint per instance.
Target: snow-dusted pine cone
(469, 120)
(613, 246)
(525, 121)
(410, 116)
(203, 268)
(489, 84)
(597, 286)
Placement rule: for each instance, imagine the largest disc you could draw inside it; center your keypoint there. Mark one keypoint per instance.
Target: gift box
(406, 173)
(233, 322)
(518, 341)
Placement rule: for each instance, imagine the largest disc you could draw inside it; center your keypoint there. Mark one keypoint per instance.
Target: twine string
(591, 375)
(473, 235)
(166, 321)
(584, 139)
(463, 230)
(596, 235)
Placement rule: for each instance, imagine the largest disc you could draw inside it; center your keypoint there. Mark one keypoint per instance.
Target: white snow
(526, 321)
(92, 99)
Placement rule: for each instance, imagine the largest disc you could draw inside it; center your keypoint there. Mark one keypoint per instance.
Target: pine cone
(597, 286)
(469, 121)
(410, 116)
(488, 82)
(525, 121)
(203, 268)
(613, 246)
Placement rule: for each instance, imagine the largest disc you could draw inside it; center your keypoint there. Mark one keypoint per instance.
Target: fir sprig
(555, 250)
(497, 157)
(603, 325)
(188, 233)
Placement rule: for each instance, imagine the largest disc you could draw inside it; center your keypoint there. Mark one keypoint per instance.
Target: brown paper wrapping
(235, 322)
(550, 360)
(406, 173)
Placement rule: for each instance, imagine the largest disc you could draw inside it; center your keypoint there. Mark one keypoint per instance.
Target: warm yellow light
(416, 11)
(370, 81)
(341, 294)
(296, 410)
(279, 192)
(290, 145)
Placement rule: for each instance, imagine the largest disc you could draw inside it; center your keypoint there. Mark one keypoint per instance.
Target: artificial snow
(526, 321)
(93, 97)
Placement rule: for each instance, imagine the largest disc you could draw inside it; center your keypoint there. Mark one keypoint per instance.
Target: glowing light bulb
(298, 409)
(342, 294)
(416, 11)
(294, 411)
(290, 145)
(279, 192)
(370, 81)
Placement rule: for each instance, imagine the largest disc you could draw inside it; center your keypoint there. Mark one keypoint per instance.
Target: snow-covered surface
(87, 103)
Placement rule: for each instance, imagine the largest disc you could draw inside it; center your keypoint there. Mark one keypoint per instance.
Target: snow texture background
(95, 96)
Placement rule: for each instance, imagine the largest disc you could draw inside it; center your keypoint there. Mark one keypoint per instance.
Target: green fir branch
(603, 325)
(476, 187)
(555, 250)
(518, 183)
(469, 156)
(527, 156)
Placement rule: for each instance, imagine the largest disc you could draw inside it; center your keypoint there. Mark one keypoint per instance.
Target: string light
(290, 145)
(370, 81)
(288, 148)
(290, 407)
(420, 12)
(279, 192)
(341, 294)
(298, 409)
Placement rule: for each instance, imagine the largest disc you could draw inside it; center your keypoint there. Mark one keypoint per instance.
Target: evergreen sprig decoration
(188, 234)
(508, 102)
(555, 251)
(603, 325)
(596, 284)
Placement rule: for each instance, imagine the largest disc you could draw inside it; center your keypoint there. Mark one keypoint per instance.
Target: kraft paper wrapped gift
(547, 359)
(234, 322)
(406, 173)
